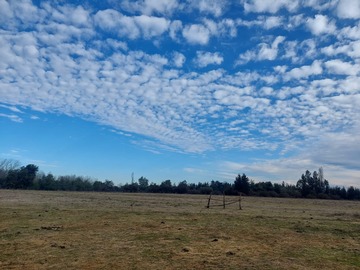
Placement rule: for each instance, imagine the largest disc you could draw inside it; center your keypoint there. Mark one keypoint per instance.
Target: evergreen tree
(143, 184)
(242, 184)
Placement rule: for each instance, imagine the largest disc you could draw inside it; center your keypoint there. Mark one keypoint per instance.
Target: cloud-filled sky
(182, 90)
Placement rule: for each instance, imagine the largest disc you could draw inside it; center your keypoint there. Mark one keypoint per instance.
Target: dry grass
(64, 230)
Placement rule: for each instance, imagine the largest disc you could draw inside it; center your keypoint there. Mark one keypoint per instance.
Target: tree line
(310, 185)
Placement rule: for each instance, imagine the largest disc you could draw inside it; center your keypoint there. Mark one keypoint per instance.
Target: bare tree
(7, 165)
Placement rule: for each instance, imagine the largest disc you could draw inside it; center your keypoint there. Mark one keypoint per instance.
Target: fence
(223, 201)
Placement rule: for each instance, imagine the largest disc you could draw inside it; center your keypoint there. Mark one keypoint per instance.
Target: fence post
(240, 208)
(224, 199)
(208, 205)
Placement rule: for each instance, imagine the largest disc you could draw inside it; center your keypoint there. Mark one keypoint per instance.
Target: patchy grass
(64, 230)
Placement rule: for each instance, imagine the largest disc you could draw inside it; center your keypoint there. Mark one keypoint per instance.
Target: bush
(323, 196)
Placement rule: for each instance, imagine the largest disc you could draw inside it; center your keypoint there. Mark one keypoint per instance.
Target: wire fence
(224, 201)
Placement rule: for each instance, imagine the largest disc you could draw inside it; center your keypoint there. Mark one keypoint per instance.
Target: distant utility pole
(132, 178)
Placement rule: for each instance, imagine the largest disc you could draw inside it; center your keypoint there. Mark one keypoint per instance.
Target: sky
(182, 90)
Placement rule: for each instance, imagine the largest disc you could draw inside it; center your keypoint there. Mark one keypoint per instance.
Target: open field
(64, 230)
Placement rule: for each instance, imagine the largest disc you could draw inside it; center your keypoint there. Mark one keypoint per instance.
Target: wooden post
(224, 199)
(208, 205)
(240, 208)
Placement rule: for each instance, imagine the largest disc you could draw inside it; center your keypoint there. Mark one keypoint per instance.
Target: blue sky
(182, 90)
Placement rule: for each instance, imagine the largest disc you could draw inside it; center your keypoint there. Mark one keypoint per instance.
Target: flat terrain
(69, 230)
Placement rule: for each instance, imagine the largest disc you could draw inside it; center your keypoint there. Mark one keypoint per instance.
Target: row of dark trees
(310, 185)
(16, 177)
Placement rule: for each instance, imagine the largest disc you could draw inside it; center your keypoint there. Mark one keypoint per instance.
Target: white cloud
(194, 170)
(272, 22)
(340, 149)
(349, 9)
(214, 7)
(291, 48)
(308, 48)
(12, 117)
(147, 27)
(350, 85)
(305, 71)
(289, 170)
(350, 32)
(223, 28)
(321, 25)
(5, 11)
(320, 5)
(77, 16)
(113, 21)
(131, 27)
(352, 49)
(295, 21)
(175, 29)
(337, 66)
(11, 108)
(115, 44)
(196, 34)
(262, 170)
(80, 16)
(179, 59)
(265, 22)
(212, 26)
(228, 27)
(266, 91)
(151, 26)
(264, 51)
(64, 65)
(25, 11)
(299, 52)
(270, 52)
(204, 59)
(269, 6)
(150, 7)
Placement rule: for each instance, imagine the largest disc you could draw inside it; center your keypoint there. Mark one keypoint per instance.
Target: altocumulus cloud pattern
(194, 76)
